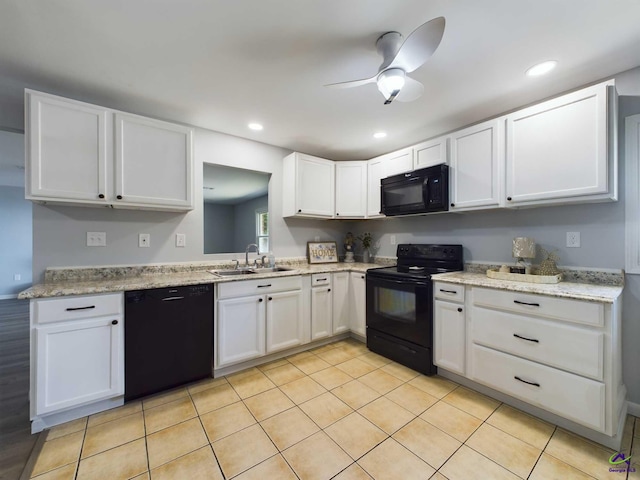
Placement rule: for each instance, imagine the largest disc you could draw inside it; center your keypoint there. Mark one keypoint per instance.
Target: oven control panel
(430, 252)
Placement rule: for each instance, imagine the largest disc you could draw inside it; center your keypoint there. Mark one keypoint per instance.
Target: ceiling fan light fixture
(541, 68)
(390, 81)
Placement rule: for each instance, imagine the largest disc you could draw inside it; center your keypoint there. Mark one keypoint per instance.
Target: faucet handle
(237, 267)
(264, 257)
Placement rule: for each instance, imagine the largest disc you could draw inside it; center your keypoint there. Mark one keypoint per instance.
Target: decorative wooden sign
(322, 252)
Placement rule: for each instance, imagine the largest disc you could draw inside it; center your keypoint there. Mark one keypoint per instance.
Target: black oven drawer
(409, 354)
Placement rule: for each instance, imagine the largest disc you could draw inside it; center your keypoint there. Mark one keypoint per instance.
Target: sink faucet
(246, 253)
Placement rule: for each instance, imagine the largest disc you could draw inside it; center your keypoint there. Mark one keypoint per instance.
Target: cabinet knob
(114, 322)
(270, 298)
(337, 214)
(328, 289)
(509, 198)
(453, 204)
(362, 277)
(299, 211)
(459, 309)
(119, 197)
(260, 300)
(101, 195)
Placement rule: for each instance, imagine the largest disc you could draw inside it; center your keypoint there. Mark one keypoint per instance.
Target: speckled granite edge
(593, 277)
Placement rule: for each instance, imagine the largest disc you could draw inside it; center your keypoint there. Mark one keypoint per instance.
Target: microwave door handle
(425, 192)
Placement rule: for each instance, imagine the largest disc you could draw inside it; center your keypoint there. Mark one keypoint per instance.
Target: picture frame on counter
(322, 252)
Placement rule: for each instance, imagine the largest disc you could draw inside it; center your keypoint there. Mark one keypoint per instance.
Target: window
(262, 231)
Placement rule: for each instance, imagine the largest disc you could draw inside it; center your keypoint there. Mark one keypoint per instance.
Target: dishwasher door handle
(168, 299)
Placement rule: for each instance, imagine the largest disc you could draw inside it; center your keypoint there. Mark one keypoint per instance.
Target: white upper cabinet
(430, 153)
(382, 167)
(67, 149)
(563, 150)
(153, 162)
(81, 154)
(477, 166)
(351, 189)
(308, 186)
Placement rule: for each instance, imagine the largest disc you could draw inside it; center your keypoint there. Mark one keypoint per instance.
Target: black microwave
(420, 191)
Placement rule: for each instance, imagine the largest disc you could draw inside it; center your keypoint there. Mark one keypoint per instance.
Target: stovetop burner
(421, 260)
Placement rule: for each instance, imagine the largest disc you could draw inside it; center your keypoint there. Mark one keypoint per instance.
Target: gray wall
(219, 228)
(15, 241)
(245, 231)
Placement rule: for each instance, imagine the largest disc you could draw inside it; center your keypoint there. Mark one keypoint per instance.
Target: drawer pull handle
(73, 309)
(321, 280)
(528, 383)
(525, 338)
(169, 299)
(448, 291)
(525, 303)
(264, 286)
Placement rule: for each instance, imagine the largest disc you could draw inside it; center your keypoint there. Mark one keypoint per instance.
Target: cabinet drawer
(578, 350)
(577, 311)
(318, 279)
(257, 287)
(449, 291)
(71, 308)
(571, 396)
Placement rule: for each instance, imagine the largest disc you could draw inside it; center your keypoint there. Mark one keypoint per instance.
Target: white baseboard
(633, 409)
(8, 297)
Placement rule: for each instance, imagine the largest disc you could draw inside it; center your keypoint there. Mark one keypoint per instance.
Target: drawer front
(82, 306)
(577, 311)
(318, 279)
(448, 291)
(256, 287)
(578, 350)
(571, 396)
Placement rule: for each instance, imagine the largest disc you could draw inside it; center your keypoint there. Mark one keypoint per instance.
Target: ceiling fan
(401, 58)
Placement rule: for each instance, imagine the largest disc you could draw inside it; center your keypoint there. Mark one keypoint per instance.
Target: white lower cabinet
(77, 352)
(561, 355)
(256, 317)
(340, 302)
(321, 306)
(358, 298)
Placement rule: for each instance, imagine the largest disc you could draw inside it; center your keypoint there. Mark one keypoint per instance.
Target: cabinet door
(154, 165)
(558, 149)
(449, 336)
(398, 162)
(430, 153)
(284, 320)
(321, 312)
(66, 149)
(351, 189)
(315, 186)
(78, 362)
(340, 299)
(477, 166)
(358, 303)
(241, 329)
(375, 173)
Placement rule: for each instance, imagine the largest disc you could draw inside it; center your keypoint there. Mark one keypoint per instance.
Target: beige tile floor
(338, 411)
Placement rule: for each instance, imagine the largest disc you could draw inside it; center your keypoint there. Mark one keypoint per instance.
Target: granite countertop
(577, 291)
(119, 282)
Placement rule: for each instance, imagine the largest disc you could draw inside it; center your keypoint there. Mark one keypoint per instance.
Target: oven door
(401, 308)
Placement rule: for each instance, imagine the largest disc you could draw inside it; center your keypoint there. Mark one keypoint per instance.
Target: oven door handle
(412, 283)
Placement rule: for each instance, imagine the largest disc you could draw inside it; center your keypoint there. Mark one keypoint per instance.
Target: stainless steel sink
(248, 271)
(272, 269)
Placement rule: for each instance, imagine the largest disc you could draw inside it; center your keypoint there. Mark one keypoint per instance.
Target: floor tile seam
(62, 436)
(495, 462)
(146, 443)
(149, 469)
(436, 426)
(387, 437)
(505, 467)
(472, 414)
(315, 433)
(521, 439)
(392, 400)
(302, 439)
(570, 464)
(109, 421)
(586, 440)
(77, 462)
(118, 446)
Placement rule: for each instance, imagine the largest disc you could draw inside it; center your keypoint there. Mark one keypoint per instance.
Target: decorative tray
(524, 277)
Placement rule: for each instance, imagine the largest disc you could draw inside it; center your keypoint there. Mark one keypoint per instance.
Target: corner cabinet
(77, 352)
(308, 186)
(358, 294)
(82, 154)
(564, 150)
(351, 189)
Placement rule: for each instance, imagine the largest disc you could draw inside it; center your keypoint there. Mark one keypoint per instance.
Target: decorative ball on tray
(548, 265)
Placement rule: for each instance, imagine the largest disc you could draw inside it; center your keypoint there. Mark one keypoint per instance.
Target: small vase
(366, 256)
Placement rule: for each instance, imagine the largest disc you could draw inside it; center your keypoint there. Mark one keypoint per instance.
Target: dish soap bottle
(272, 260)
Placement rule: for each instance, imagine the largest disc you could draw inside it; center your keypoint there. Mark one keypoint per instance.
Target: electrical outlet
(393, 239)
(573, 239)
(96, 239)
(181, 240)
(144, 240)
(17, 277)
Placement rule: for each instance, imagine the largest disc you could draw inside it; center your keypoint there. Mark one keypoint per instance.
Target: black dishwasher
(168, 338)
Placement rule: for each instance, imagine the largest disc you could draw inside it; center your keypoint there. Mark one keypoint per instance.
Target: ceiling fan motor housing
(388, 46)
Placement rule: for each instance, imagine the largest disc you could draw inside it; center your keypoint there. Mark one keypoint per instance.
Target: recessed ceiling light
(379, 135)
(255, 126)
(541, 68)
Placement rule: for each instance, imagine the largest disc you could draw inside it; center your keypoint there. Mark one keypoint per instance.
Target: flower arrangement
(367, 240)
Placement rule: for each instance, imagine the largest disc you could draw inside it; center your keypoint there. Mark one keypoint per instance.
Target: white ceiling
(220, 64)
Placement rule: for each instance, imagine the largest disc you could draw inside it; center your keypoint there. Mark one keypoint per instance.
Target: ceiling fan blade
(353, 83)
(419, 46)
(412, 90)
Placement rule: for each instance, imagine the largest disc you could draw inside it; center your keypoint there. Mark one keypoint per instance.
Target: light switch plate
(393, 239)
(144, 240)
(573, 239)
(181, 240)
(96, 239)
